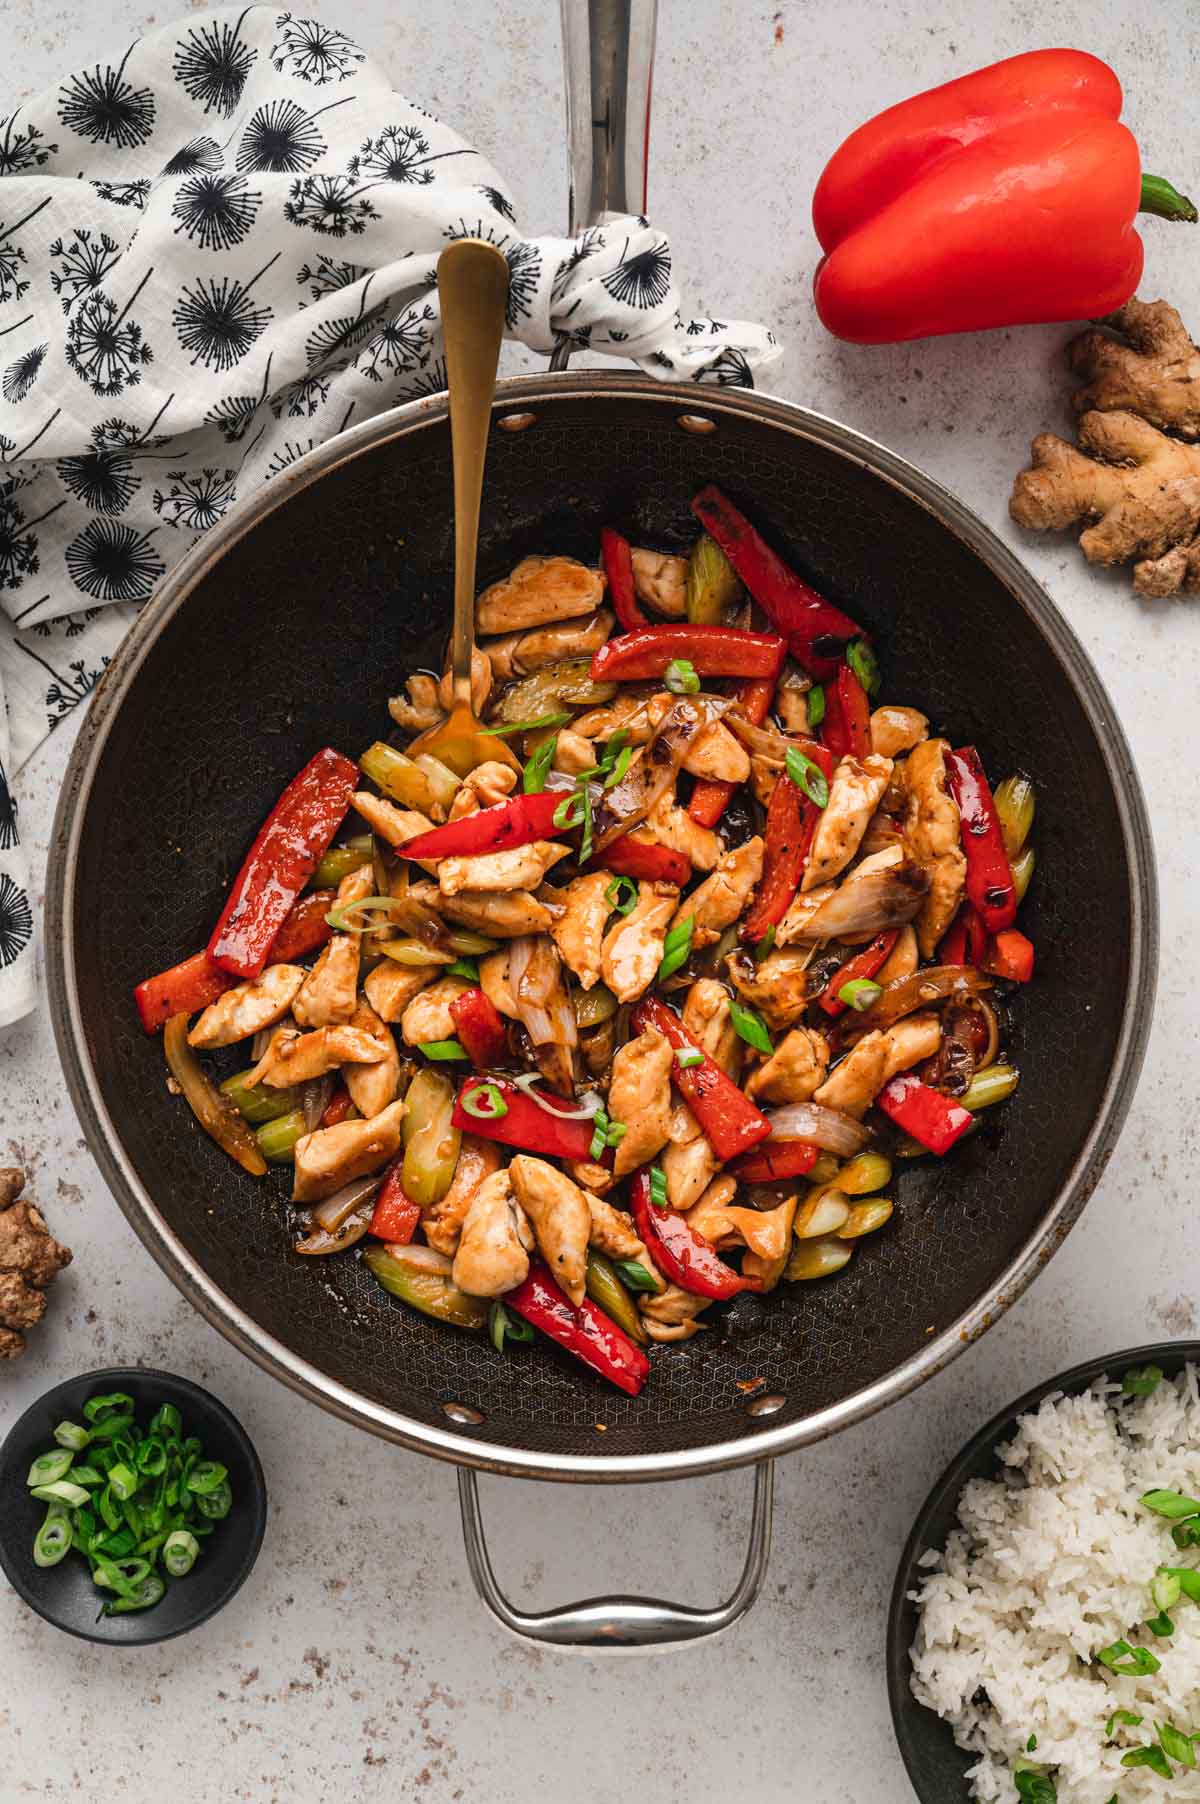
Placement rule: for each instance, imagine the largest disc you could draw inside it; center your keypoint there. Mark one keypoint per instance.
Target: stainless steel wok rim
(528, 392)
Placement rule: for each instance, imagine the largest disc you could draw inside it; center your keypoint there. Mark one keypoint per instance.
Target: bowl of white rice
(1044, 1636)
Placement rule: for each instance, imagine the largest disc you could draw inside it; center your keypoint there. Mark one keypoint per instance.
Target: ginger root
(30, 1258)
(1136, 488)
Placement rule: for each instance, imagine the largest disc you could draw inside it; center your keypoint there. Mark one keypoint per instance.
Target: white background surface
(356, 1662)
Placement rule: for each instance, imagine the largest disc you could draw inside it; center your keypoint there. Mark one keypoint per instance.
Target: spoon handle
(473, 286)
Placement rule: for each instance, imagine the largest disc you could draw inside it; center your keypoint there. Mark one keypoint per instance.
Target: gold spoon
(472, 282)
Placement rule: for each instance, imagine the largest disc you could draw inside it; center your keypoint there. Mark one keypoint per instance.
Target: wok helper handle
(620, 1625)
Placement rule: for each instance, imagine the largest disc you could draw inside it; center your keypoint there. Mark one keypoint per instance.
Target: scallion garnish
(443, 1049)
(537, 767)
(1120, 1657)
(484, 1102)
(1187, 1534)
(676, 947)
(116, 1403)
(1161, 1625)
(762, 947)
(70, 1434)
(1141, 1381)
(1171, 1504)
(607, 1133)
(1153, 1757)
(464, 967)
(860, 993)
(344, 918)
(1031, 1744)
(658, 1187)
(634, 1275)
(504, 1326)
(52, 1542)
(526, 726)
(680, 677)
(749, 1024)
(622, 894)
(1176, 1744)
(688, 1056)
(1122, 1716)
(48, 1467)
(808, 777)
(1165, 1589)
(816, 705)
(860, 655)
(621, 764)
(1034, 1786)
(569, 812)
(179, 1552)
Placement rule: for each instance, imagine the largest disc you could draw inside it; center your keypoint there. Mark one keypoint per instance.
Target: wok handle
(608, 63)
(620, 1624)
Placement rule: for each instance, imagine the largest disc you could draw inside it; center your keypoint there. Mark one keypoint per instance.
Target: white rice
(1051, 1562)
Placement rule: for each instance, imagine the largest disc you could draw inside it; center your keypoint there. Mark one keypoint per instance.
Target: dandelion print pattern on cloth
(217, 250)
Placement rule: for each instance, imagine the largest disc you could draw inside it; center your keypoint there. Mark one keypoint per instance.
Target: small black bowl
(936, 1766)
(64, 1594)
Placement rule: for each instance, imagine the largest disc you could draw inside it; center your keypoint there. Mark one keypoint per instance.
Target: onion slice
(315, 1096)
(589, 1103)
(331, 1213)
(829, 1129)
(933, 984)
(319, 1240)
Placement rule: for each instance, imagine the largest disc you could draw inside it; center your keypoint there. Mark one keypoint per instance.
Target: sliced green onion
(50, 1466)
(110, 1515)
(537, 767)
(860, 655)
(1176, 1745)
(816, 705)
(503, 1326)
(680, 677)
(1129, 1717)
(1141, 1381)
(70, 1434)
(763, 946)
(570, 810)
(860, 993)
(142, 1596)
(658, 1187)
(634, 1275)
(1120, 1657)
(585, 841)
(115, 1403)
(443, 1049)
(61, 1490)
(179, 1552)
(464, 967)
(808, 777)
(109, 1427)
(151, 1457)
(526, 726)
(1171, 1504)
(208, 1475)
(1031, 1744)
(1187, 1578)
(1153, 1757)
(216, 1504)
(677, 947)
(1034, 1786)
(52, 1542)
(621, 765)
(474, 1099)
(599, 1135)
(345, 917)
(688, 1056)
(749, 1024)
(88, 1475)
(1160, 1625)
(622, 894)
(122, 1480)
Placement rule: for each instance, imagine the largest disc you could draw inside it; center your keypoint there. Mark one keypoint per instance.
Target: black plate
(64, 1594)
(936, 1766)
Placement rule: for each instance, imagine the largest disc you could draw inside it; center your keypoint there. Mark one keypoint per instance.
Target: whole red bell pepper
(990, 886)
(191, 985)
(396, 1216)
(937, 1121)
(1009, 955)
(872, 958)
(480, 1027)
(496, 829)
(728, 1119)
(775, 1161)
(712, 651)
(965, 940)
(846, 729)
(681, 1255)
(587, 1332)
(711, 796)
(617, 559)
(644, 859)
(815, 630)
(292, 840)
(524, 1124)
(1003, 198)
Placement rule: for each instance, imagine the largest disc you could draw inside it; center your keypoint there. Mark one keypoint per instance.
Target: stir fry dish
(595, 1037)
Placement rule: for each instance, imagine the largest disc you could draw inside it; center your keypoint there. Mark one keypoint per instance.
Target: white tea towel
(217, 251)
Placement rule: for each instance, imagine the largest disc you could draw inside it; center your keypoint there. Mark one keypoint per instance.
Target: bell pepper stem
(1158, 196)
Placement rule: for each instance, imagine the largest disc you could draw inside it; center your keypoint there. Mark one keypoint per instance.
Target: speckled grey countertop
(356, 1662)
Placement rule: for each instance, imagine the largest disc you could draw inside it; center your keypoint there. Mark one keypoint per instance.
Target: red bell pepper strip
(617, 559)
(680, 1254)
(525, 1123)
(847, 724)
(1010, 955)
(1003, 198)
(479, 1026)
(775, 1161)
(711, 797)
(289, 845)
(965, 940)
(190, 986)
(864, 964)
(784, 852)
(337, 1109)
(645, 859)
(712, 651)
(728, 1119)
(815, 630)
(990, 886)
(587, 1332)
(507, 824)
(396, 1215)
(935, 1120)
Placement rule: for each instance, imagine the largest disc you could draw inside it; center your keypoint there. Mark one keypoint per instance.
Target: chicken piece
(494, 982)
(895, 730)
(516, 867)
(596, 1048)
(373, 1087)
(902, 960)
(885, 890)
(573, 753)
(883, 832)
(671, 1315)
(931, 833)
(539, 590)
(30, 1258)
(579, 931)
(562, 1221)
(597, 1180)
(396, 825)
(418, 711)
(854, 794)
(714, 752)
(481, 682)
(520, 654)
(660, 580)
(390, 987)
(717, 902)
(330, 991)
(777, 988)
(428, 1016)
(627, 710)
(639, 1097)
(800, 913)
(674, 827)
(706, 1016)
(494, 1246)
(484, 787)
(791, 699)
(632, 950)
(249, 1007)
(502, 914)
(442, 1221)
(689, 1168)
(330, 1157)
(794, 1071)
(853, 1085)
(294, 1058)
(613, 1232)
(767, 1232)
